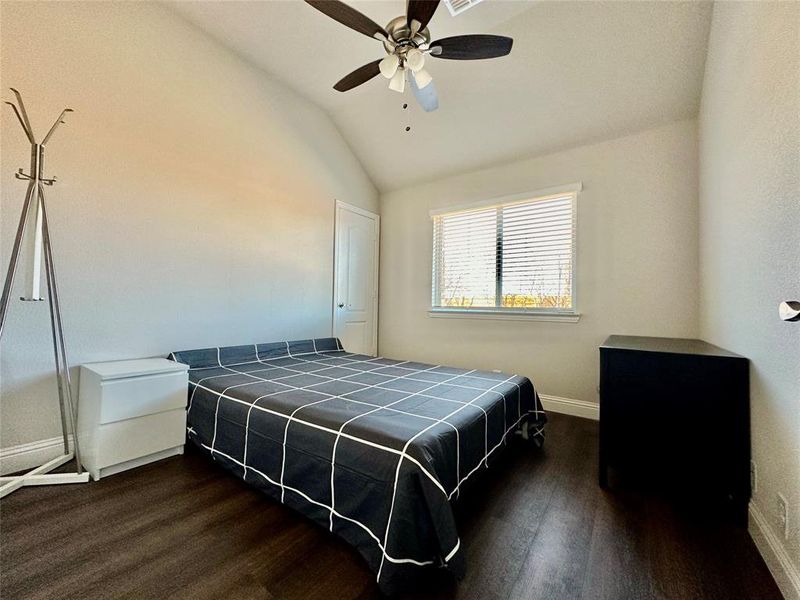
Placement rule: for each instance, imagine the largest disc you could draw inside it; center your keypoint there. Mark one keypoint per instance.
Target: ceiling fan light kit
(406, 39)
(389, 65)
(415, 59)
(398, 80)
(422, 78)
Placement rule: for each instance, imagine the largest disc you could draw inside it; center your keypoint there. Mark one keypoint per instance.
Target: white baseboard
(786, 575)
(33, 454)
(570, 406)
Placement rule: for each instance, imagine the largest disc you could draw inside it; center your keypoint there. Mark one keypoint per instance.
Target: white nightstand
(130, 413)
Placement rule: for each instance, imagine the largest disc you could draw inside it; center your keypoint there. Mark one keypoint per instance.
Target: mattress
(374, 449)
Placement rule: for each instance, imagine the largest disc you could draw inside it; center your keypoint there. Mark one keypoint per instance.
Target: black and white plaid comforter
(374, 449)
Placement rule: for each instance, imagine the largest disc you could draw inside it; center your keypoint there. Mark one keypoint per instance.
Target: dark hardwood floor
(539, 527)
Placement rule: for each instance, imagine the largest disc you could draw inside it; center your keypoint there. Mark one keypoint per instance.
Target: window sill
(504, 315)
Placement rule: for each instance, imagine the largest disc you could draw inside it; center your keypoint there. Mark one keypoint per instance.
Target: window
(515, 256)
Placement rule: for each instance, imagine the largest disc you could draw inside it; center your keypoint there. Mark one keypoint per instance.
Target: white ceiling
(579, 72)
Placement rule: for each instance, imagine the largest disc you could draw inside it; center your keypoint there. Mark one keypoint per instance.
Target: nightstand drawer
(145, 395)
(133, 438)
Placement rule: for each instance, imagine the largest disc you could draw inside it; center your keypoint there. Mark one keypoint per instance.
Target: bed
(374, 449)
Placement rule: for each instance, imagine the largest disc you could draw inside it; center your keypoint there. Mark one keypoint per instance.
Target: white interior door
(355, 297)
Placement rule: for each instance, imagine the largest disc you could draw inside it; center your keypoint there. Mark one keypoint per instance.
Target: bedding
(374, 449)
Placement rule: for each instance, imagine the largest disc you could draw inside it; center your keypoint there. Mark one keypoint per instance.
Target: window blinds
(517, 256)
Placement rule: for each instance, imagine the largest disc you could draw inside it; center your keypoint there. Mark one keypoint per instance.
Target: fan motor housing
(400, 33)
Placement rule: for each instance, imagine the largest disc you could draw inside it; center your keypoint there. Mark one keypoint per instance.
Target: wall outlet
(782, 507)
(753, 477)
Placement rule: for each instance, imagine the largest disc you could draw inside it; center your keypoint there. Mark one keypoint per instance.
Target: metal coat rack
(33, 221)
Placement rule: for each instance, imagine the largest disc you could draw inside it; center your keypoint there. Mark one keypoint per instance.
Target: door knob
(341, 305)
(790, 310)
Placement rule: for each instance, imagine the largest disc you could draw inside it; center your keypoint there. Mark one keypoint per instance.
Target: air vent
(456, 7)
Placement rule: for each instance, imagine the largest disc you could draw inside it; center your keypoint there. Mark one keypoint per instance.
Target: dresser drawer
(133, 397)
(133, 438)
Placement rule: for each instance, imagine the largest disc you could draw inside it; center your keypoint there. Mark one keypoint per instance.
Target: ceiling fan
(407, 40)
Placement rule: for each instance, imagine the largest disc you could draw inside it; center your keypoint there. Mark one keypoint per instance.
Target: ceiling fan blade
(427, 97)
(419, 13)
(357, 77)
(471, 47)
(339, 11)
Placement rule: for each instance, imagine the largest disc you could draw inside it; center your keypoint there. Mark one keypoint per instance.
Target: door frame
(339, 205)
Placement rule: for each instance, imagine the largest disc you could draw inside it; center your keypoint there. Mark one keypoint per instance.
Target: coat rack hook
(59, 120)
(23, 111)
(22, 122)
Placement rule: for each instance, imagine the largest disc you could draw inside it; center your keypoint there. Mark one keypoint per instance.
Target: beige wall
(195, 202)
(636, 264)
(750, 230)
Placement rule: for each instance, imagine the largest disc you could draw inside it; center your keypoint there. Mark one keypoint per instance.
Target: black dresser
(676, 413)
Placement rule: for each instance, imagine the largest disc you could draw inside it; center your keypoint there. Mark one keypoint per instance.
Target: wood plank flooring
(537, 528)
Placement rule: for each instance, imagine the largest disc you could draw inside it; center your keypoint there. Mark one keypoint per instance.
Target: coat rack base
(42, 476)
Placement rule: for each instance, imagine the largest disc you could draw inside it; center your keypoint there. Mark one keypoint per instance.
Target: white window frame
(570, 315)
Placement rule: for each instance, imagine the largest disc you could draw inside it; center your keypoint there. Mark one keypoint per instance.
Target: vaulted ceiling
(578, 72)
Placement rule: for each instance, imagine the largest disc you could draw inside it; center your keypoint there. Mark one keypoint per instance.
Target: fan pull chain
(405, 107)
